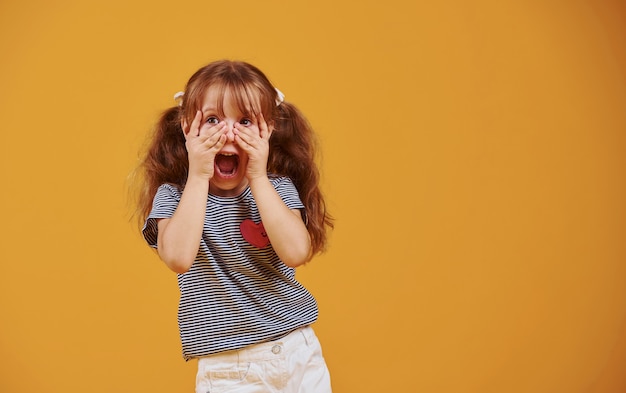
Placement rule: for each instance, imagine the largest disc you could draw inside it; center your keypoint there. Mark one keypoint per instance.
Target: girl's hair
(292, 144)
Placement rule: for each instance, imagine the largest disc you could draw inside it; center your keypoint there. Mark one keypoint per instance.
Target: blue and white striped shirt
(235, 294)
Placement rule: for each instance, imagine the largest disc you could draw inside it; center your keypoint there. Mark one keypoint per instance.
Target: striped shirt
(235, 294)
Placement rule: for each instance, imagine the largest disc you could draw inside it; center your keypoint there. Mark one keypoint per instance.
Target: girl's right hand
(203, 141)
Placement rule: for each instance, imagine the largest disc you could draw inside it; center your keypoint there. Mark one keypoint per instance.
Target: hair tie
(178, 97)
(281, 97)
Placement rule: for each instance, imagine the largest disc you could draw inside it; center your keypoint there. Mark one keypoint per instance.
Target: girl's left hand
(256, 145)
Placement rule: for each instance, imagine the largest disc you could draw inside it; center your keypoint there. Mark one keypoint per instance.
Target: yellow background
(473, 155)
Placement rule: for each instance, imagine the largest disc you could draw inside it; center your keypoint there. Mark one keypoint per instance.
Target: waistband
(265, 351)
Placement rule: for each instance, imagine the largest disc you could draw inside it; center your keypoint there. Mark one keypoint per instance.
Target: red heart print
(254, 233)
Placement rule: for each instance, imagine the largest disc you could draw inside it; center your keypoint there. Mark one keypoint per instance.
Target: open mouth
(226, 164)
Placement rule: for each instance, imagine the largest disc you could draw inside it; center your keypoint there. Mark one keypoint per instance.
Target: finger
(209, 130)
(239, 129)
(193, 130)
(242, 143)
(216, 133)
(209, 134)
(196, 123)
(244, 134)
(263, 131)
(220, 142)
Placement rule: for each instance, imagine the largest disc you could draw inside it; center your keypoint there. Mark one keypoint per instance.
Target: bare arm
(284, 227)
(179, 237)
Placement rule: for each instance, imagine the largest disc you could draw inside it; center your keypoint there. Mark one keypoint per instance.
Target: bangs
(250, 91)
(246, 97)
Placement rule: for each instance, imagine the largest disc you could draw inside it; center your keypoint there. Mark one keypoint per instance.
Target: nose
(230, 132)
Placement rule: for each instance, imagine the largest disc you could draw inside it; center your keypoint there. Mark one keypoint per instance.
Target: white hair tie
(281, 97)
(178, 97)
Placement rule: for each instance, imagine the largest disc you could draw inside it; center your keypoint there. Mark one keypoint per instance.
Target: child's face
(229, 176)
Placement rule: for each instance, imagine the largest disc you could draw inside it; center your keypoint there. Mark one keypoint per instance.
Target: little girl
(231, 202)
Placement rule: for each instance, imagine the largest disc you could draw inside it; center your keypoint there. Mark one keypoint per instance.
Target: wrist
(258, 180)
(197, 181)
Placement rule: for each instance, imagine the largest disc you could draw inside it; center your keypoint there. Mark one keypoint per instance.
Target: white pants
(292, 364)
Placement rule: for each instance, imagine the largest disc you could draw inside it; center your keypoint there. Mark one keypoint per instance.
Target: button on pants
(292, 364)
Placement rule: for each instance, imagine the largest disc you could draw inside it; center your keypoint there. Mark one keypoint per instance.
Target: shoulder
(168, 191)
(287, 191)
(282, 182)
(278, 180)
(166, 198)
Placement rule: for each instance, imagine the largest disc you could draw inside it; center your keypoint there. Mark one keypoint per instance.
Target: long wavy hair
(293, 146)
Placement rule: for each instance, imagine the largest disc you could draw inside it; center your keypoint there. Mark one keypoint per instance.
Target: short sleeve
(164, 205)
(288, 193)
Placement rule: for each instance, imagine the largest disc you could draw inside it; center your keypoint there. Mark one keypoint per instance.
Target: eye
(245, 122)
(212, 120)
